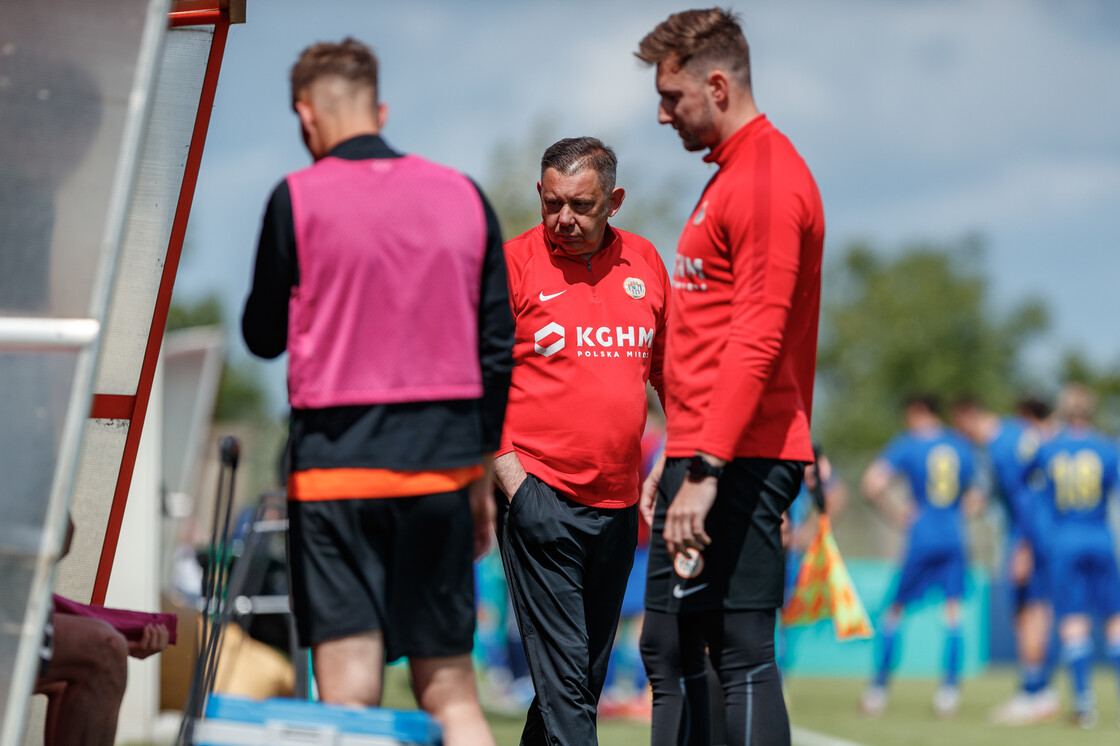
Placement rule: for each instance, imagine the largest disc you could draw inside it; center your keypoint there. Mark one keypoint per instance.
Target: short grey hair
(575, 154)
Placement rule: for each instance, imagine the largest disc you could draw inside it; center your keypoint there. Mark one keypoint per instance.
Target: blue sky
(922, 120)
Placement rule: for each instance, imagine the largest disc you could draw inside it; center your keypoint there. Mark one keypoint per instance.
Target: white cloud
(928, 81)
(1025, 193)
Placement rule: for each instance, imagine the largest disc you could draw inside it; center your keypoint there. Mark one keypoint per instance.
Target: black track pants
(741, 646)
(567, 566)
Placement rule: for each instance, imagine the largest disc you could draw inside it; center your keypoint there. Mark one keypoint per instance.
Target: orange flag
(824, 589)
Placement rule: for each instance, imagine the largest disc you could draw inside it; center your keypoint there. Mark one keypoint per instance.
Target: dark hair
(928, 401)
(700, 39)
(966, 401)
(1033, 407)
(349, 59)
(574, 154)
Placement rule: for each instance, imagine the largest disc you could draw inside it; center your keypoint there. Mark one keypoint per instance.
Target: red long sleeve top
(742, 347)
(589, 334)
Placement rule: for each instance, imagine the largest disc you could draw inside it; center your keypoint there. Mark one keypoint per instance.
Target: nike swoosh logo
(550, 297)
(679, 592)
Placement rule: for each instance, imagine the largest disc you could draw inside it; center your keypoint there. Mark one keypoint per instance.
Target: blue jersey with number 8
(939, 466)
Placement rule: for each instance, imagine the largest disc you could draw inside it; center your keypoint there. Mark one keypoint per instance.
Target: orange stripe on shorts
(342, 484)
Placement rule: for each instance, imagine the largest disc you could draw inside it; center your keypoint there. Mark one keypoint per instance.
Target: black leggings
(741, 646)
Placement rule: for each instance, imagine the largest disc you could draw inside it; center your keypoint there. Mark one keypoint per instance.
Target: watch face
(698, 469)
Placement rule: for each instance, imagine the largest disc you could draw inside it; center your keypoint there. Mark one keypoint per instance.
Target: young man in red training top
(739, 391)
(590, 305)
(382, 276)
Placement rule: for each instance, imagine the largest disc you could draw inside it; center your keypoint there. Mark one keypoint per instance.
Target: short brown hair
(926, 400)
(575, 154)
(703, 38)
(348, 59)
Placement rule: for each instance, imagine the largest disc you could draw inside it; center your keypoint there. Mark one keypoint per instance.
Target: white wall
(135, 580)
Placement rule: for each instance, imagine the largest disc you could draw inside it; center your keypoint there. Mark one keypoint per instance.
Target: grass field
(827, 707)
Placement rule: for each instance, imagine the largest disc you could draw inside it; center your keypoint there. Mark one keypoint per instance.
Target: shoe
(1028, 709)
(1047, 705)
(873, 701)
(946, 701)
(1019, 710)
(1086, 719)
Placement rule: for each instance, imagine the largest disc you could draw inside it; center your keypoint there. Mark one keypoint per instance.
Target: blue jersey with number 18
(938, 465)
(1081, 468)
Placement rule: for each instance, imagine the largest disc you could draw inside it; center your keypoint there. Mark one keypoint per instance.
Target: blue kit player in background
(1079, 470)
(937, 465)
(1010, 444)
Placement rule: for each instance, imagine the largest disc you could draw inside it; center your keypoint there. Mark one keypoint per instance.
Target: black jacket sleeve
(264, 323)
(495, 333)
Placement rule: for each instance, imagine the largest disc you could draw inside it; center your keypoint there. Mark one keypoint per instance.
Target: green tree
(918, 321)
(515, 168)
(241, 396)
(203, 312)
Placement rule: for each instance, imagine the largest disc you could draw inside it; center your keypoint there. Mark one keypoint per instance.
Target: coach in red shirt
(590, 306)
(739, 391)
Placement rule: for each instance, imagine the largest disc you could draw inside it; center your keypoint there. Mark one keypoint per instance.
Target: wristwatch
(698, 469)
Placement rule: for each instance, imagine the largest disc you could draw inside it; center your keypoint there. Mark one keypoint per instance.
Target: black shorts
(744, 566)
(402, 565)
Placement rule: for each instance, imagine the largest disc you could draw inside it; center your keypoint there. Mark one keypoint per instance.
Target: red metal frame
(117, 407)
(113, 406)
(197, 17)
